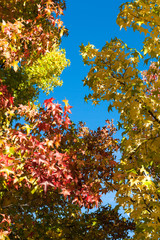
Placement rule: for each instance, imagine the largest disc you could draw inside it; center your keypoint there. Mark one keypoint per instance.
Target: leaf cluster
(114, 76)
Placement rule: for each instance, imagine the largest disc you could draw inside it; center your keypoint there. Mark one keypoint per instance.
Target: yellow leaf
(140, 23)
(66, 102)
(15, 65)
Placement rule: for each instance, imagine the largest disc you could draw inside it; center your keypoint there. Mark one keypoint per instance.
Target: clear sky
(95, 22)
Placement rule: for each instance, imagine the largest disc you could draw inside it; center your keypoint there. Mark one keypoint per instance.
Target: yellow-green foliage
(114, 76)
(46, 70)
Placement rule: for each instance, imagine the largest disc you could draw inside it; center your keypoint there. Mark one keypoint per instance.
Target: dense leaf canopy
(114, 76)
(49, 167)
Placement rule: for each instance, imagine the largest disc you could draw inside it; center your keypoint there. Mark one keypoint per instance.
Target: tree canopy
(50, 167)
(114, 76)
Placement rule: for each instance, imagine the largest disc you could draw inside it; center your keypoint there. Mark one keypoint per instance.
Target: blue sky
(95, 22)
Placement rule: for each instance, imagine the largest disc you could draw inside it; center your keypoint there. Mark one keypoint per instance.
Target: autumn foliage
(33, 149)
(114, 76)
(47, 152)
(29, 29)
(49, 167)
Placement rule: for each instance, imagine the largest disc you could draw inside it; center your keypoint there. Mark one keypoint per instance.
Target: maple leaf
(66, 192)
(66, 102)
(48, 102)
(45, 185)
(67, 122)
(58, 156)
